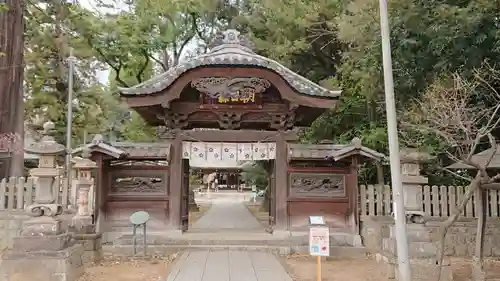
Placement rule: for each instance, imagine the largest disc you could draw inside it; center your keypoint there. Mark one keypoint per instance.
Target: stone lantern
(45, 209)
(411, 164)
(82, 221)
(43, 250)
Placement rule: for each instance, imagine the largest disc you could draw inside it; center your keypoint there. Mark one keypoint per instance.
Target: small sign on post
(139, 219)
(319, 241)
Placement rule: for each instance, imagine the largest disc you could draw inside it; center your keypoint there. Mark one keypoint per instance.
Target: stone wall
(11, 223)
(10, 226)
(460, 240)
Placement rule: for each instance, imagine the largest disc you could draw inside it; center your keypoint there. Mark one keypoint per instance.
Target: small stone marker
(138, 219)
(319, 241)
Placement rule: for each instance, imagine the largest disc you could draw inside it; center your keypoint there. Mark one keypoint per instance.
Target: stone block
(41, 243)
(421, 269)
(65, 265)
(42, 226)
(415, 249)
(92, 246)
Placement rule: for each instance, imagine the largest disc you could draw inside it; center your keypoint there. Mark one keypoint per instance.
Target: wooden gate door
(185, 195)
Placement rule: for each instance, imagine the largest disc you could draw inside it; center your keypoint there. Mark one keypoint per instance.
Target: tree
(11, 82)
(257, 173)
(50, 32)
(462, 114)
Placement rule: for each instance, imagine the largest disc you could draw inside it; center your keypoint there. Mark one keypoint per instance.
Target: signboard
(319, 241)
(316, 220)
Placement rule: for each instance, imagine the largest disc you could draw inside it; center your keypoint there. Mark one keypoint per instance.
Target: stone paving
(226, 213)
(226, 265)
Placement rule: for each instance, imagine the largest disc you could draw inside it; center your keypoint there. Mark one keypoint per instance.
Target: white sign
(316, 220)
(319, 241)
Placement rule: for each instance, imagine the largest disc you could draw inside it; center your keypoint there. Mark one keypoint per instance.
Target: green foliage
(136, 129)
(46, 74)
(332, 42)
(254, 173)
(429, 39)
(3, 8)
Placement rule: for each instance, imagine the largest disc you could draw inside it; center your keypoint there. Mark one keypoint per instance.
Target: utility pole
(69, 117)
(392, 128)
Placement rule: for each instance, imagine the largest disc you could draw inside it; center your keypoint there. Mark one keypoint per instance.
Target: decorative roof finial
(86, 153)
(356, 142)
(231, 38)
(48, 127)
(98, 139)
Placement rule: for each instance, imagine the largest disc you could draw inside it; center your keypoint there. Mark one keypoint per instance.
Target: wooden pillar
(100, 197)
(175, 182)
(353, 202)
(281, 183)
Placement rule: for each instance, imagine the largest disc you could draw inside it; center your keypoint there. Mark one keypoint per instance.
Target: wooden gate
(185, 195)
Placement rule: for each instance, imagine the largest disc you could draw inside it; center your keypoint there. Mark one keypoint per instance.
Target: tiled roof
(230, 48)
(334, 152)
(127, 149)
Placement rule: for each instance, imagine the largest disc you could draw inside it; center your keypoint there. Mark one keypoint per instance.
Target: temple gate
(254, 104)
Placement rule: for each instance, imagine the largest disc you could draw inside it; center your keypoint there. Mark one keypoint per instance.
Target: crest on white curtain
(228, 151)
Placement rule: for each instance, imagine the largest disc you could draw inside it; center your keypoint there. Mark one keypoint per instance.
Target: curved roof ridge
(230, 53)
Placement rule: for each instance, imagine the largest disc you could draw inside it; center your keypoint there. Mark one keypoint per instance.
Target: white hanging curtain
(228, 151)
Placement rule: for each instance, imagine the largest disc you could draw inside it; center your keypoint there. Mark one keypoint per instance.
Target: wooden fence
(437, 201)
(17, 193)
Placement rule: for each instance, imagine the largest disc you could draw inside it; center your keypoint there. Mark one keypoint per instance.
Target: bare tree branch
(450, 112)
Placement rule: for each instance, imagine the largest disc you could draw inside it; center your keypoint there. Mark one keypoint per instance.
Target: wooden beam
(236, 136)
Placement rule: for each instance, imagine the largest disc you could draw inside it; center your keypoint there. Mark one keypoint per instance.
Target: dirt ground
(366, 269)
(128, 269)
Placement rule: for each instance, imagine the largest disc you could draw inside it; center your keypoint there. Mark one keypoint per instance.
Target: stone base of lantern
(47, 265)
(92, 246)
(42, 226)
(422, 252)
(41, 243)
(82, 224)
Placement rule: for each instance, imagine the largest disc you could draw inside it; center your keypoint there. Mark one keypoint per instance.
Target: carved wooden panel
(316, 185)
(142, 182)
(230, 90)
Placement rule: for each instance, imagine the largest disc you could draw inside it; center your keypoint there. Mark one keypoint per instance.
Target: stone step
(127, 250)
(166, 250)
(208, 241)
(231, 239)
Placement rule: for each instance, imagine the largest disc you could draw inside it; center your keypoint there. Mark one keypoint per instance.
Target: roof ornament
(98, 139)
(231, 38)
(356, 142)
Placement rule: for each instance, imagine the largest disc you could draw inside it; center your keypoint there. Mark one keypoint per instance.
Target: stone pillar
(82, 225)
(43, 250)
(422, 249)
